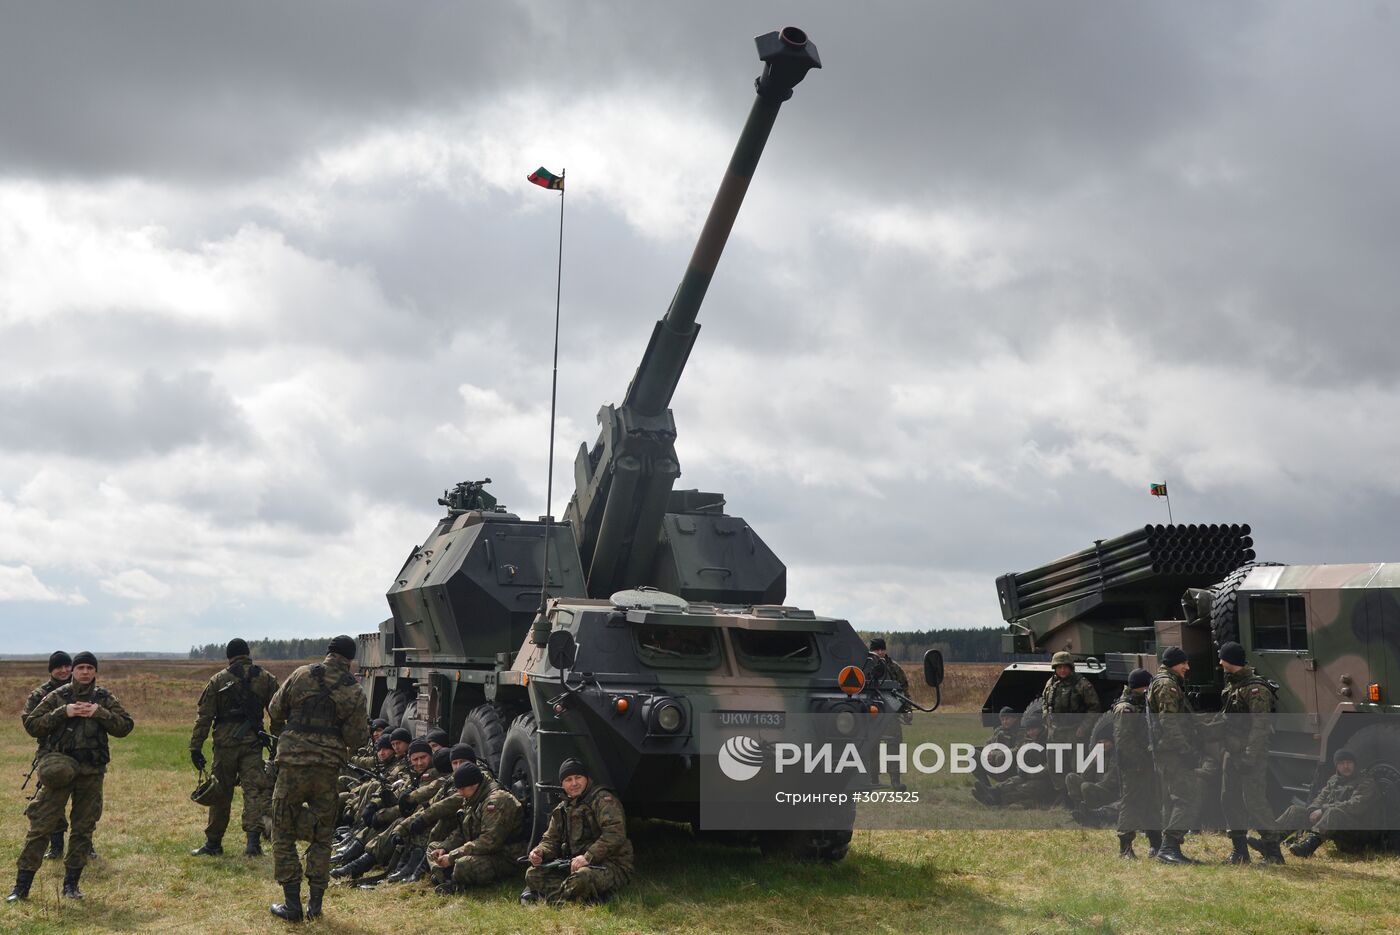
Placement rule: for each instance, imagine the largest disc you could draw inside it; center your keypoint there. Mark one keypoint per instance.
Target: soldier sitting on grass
(1342, 811)
(488, 840)
(589, 830)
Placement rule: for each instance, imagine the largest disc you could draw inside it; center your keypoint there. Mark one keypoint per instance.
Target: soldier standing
(893, 671)
(318, 716)
(73, 723)
(1137, 803)
(1070, 696)
(60, 671)
(1245, 729)
(589, 830)
(1174, 750)
(233, 702)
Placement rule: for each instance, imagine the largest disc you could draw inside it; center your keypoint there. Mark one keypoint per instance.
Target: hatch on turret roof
(649, 599)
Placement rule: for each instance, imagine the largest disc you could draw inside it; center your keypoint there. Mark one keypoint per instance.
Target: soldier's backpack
(1273, 688)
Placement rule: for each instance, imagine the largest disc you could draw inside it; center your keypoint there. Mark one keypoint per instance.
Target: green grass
(893, 881)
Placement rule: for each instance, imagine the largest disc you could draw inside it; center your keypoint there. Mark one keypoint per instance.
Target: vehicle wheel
(1224, 607)
(1374, 745)
(828, 846)
(485, 730)
(395, 703)
(519, 773)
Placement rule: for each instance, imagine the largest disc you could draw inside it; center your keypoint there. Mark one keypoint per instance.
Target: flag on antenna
(546, 179)
(1158, 490)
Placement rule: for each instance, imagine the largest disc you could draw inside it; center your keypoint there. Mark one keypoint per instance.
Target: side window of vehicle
(1279, 622)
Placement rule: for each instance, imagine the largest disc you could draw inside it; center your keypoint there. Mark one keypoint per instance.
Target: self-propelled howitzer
(656, 617)
(632, 528)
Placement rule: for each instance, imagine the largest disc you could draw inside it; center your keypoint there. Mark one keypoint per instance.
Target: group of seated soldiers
(1341, 811)
(415, 807)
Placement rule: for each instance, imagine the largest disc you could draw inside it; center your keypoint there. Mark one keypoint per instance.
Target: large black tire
(1224, 607)
(485, 730)
(828, 846)
(395, 704)
(519, 773)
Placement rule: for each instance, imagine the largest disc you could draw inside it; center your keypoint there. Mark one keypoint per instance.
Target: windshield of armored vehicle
(677, 647)
(775, 650)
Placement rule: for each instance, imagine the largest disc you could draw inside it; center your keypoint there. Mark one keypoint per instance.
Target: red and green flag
(1158, 490)
(546, 179)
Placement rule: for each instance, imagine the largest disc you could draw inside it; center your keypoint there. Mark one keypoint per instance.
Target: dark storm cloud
(93, 416)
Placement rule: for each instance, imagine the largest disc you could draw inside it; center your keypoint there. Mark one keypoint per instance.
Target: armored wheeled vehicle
(607, 635)
(1326, 635)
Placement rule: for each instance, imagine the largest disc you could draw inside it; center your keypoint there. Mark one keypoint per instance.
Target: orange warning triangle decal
(851, 680)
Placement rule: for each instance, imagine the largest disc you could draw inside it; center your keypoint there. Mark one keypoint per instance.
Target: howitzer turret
(631, 527)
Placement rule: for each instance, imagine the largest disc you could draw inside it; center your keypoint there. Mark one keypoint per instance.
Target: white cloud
(18, 583)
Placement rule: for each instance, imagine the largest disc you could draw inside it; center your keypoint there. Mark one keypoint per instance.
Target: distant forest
(982, 644)
(268, 649)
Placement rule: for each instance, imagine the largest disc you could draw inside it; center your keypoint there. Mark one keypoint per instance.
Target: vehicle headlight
(845, 723)
(669, 717)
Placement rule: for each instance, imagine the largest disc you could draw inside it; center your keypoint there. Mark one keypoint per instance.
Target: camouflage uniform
(489, 840)
(85, 740)
(318, 716)
(1137, 804)
(1010, 739)
(1174, 752)
(896, 672)
(1072, 695)
(238, 752)
(1029, 788)
(419, 792)
(595, 826)
(30, 703)
(1246, 741)
(1349, 810)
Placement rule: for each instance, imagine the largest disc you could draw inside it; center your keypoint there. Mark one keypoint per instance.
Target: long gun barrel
(787, 56)
(623, 484)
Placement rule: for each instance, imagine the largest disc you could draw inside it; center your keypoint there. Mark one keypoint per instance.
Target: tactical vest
(315, 713)
(1073, 702)
(82, 738)
(578, 811)
(1270, 684)
(236, 703)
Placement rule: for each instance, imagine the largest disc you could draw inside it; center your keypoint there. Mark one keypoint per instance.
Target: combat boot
(212, 847)
(406, 869)
(254, 849)
(313, 902)
(1125, 845)
(1154, 843)
(529, 897)
(1307, 845)
(23, 880)
(289, 909)
(987, 795)
(1171, 854)
(360, 865)
(70, 883)
(349, 852)
(1274, 857)
(1240, 855)
(55, 851)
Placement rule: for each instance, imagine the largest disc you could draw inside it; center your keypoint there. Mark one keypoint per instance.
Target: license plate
(772, 719)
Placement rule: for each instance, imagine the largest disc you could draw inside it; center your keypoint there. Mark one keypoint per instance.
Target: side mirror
(561, 650)
(933, 668)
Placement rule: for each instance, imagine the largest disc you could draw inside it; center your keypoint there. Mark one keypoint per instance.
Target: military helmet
(57, 770)
(1062, 658)
(206, 792)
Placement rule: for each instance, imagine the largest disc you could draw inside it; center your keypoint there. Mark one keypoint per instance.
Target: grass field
(893, 881)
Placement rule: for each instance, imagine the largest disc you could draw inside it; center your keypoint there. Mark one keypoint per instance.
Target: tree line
(314, 647)
(981, 644)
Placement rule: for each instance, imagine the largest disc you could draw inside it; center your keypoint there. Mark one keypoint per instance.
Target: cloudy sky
(271, 278)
